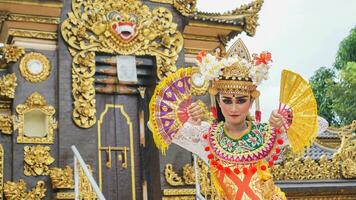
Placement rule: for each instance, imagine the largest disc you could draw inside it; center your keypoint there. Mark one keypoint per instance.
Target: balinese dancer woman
(240, 150)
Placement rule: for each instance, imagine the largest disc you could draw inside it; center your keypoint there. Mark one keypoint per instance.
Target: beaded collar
(253, 146)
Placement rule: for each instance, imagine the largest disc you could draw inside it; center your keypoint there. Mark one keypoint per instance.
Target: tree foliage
(344, 94)
(322, 83)
(335, 88)
(347, 51)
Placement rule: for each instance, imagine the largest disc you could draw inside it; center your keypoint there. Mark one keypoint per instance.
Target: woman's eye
(240, 101)
(227, 101)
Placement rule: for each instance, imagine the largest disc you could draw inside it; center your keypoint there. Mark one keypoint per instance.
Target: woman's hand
(277, 121)
(196, 113)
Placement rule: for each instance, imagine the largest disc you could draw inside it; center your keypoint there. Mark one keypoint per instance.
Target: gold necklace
(236, 137)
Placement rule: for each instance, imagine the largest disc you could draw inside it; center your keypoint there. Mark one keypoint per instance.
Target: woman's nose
(234, 107)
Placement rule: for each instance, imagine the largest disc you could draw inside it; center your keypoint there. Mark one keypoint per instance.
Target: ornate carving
(35, 67)
(17, 191)
(33, 18)
(65, 195)
(86, 191)
(342, 165)
(177, 192)
(33, 34)
(6, 124)
(188, 174)
(36, 160)
(94, 27)
(8, 85)
(12, 53)
(36, 102)
(185, 7)
(62, 178)
(172, 178)
(1, 171)
(347, 151)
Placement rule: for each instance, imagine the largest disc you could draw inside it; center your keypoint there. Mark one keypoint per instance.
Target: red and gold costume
(239, 165)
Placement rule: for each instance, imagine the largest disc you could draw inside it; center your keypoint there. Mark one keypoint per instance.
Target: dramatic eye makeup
(238, 100)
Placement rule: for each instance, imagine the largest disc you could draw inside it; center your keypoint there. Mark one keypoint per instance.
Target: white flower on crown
(210, 67)
(258, 73)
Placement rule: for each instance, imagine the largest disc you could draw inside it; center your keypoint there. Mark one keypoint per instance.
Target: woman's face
(235, 107)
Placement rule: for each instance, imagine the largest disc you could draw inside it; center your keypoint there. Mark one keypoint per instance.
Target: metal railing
(78, 159)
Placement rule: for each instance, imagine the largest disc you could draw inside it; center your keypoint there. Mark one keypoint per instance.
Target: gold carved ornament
(124, 27)
(35, 67)
(36, 102)
(37, 160)
(185, 7)
(86, 191)
(8, 85)
(206, 186)
(6, 124)
(12, 53)
(62, 178)
(17, 191)
(342, 164)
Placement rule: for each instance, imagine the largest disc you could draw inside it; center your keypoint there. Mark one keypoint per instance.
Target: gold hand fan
(298, 106)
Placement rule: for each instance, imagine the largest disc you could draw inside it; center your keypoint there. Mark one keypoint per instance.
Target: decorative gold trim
(8, 85)
(65, 196)
(33, 18)
(177, 192)
(185, 7)
(13, 190)
(35, 102)
(33, 34)
(62, 178)
(1, 171)
(35, 3)
(132, 155)
(179, 198)
(6, 124)
(86, 33)
(37, 160)
(26, 73)
(189, 174)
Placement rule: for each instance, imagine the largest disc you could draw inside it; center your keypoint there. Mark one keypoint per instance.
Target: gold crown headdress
(233, 74)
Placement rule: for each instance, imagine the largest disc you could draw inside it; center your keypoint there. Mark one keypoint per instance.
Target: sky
(302, 35)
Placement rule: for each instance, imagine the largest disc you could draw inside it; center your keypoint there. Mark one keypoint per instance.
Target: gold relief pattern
(86, 191)
(342, 165)
(65, 195)
(8, 85)
(12, 53)
(37, 160)
(36, 102)
(32, 18)
(17, 191)
(295, 168)
(115, 27)
(62, 178)
(35, 67)
(185, 7)
(347, 151)
(33, 34)
(6, 124)
(188, 174)
(172, 177)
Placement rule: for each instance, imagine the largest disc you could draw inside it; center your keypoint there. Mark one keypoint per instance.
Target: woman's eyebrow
(226, 97)
(241, 97)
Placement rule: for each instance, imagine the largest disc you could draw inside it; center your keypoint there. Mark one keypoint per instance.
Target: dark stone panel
(6, 142)
(24, 89)
(69, 134)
